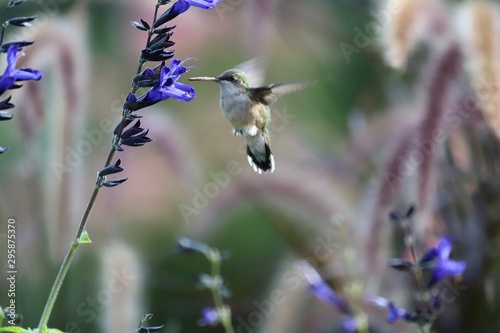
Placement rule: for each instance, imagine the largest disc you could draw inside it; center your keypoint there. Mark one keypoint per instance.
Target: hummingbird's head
(230, 80)
(234, 78)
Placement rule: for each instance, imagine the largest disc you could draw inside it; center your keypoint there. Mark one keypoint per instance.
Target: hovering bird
(247, 108)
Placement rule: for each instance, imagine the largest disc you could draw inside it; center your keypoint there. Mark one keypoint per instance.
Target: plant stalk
(56, 287)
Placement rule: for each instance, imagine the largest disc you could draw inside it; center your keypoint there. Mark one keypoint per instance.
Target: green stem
(66, 263)
(215, 261)
(83, 222)
(417, 270)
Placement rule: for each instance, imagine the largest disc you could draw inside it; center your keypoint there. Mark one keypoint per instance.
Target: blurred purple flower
(349, 324)
(320, 288)
(394, 312)
(444, 266)
(12, 75)
(209, 317)
(182, 5)
(168, 87)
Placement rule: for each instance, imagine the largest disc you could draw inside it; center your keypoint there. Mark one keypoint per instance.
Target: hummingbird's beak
(204, 78)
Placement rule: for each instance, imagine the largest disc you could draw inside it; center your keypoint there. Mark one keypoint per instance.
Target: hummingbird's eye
(232, 78)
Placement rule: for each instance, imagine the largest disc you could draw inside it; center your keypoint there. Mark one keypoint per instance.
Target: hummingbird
(248, 110)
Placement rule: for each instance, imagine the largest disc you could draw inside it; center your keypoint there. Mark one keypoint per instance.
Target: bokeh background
(343, 152)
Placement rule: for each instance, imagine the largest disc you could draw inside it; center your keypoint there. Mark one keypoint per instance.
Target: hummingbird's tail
(262, 159)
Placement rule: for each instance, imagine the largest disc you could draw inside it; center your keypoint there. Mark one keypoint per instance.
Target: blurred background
(398, 120)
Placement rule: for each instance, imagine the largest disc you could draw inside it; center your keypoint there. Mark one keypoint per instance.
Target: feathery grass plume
(432, 129)
(407, 23)
(52, 122)
(175, 147)
(122, 281)
(282, 195)
(258, 19)
(393, 177)
(479, 26)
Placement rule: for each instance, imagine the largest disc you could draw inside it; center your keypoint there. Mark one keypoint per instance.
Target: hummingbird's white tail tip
(260, 166)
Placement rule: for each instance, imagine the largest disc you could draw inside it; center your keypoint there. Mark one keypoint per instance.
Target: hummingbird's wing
(254, 70)
(270, 94)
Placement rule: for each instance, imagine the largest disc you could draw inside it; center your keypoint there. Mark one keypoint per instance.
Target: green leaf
(84, 238)
(29, 330)
(13, 329)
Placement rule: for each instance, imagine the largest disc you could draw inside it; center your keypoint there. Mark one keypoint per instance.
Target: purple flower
(168, 87)
(12, 75)
(394, 312)
(321, 289)
(444, 266)
(209, 317)
(349, 324)
(182, 5)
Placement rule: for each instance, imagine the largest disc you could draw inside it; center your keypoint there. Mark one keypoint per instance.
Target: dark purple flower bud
(148, 72)
(131, 103)
(401, 264)
(161, 41)
(133, 130)
(145, 24)
(13, 3)
(209, 317)
(5, 104)
(139, 25)
(410, 211)
(156, 55)
(428, 256)
(19, 43)
(131, 98)
(120, 126)
(111, 169)
(113, 183)
(163, 30)
(137, 140)
(21, 21)
(165, 17)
